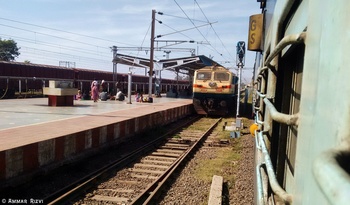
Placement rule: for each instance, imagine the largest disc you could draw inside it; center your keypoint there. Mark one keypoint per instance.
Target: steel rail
(152, 191)
(72, 190)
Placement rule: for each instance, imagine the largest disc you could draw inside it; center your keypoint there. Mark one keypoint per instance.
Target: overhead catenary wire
(190, 20)
(176, 30)
(198, 29)
(101, 51)
(165, 14)
(67, 55)
(87, 51)
(214, 30)
(28, 40)
(59, 56)
(186, 29)
(45, 34)
(54, 29)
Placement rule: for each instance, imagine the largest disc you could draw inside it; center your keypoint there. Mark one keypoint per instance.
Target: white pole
(240, 63)
(151, 56)
(239, 87)
(129, 87)
(19, 86)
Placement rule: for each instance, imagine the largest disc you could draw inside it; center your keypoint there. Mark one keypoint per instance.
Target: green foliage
(222, 164)
(8, 50)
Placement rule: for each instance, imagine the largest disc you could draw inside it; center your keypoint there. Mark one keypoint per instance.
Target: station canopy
(184, 65)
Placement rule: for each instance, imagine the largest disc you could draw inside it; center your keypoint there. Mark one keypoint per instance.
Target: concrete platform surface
(36, 137)
(30, 111)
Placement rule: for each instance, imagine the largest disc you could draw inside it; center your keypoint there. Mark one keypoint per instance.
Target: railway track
(138, 177)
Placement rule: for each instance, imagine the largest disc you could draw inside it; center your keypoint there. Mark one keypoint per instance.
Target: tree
(8, 50)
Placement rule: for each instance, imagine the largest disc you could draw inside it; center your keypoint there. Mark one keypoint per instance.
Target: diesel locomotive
(214, 90)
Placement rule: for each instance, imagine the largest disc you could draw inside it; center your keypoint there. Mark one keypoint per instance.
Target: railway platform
(36, 137)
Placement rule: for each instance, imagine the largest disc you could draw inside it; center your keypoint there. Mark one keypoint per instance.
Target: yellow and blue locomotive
(214, 90)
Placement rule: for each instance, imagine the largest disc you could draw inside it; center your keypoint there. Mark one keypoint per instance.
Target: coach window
(204, 76)
(221, 76)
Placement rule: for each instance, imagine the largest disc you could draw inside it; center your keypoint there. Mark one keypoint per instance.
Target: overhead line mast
(151, 55)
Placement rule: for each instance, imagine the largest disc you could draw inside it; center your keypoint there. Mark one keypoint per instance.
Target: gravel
(188, 189)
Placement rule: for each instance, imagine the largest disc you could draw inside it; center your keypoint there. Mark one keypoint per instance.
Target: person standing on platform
(103, 86)
(94, 91)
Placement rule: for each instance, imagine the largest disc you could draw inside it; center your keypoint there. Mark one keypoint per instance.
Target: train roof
(182, 65)
(56, 67)
(32, 64)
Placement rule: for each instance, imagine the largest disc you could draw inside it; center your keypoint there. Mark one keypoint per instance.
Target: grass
(220, 165)
(225, 160)
(202, 125)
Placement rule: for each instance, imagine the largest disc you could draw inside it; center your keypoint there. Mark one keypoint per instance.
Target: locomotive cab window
(221, 76)
(204, 76)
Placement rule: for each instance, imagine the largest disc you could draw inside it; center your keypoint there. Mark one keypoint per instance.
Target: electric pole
(151, 56)
(115, 67)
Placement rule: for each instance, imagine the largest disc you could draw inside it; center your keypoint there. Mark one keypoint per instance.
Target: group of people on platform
(99, 92)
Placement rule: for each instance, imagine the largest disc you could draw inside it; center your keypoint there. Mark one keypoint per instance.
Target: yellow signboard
(255, 32)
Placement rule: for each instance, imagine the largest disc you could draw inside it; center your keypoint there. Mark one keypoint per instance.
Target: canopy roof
(186, 65)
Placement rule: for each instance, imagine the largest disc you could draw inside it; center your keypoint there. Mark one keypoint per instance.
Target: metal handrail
(262, 70)
(275, 115)
(286, 41)
(260, 94)
(281, 117)
(276, 188)
(257, 120)
(331, 177)
(257, 145)
(259, 184)
(278, 116)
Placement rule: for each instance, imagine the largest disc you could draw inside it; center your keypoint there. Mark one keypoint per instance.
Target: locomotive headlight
(223, 103)
(212, 84)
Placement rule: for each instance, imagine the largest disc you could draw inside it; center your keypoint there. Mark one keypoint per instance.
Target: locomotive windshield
(204, 76)
(221, 76)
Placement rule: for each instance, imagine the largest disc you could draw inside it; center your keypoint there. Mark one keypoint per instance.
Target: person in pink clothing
(94, 91)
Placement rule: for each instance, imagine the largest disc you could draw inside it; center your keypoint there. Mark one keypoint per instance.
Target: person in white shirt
(120, 96)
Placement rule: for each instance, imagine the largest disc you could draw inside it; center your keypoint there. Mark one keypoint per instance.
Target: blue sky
(82, 31)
